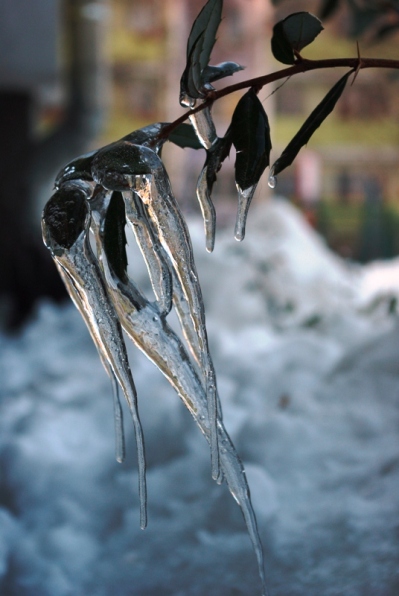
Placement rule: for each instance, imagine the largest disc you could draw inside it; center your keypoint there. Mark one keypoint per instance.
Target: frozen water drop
(244, 201)
(272, 181)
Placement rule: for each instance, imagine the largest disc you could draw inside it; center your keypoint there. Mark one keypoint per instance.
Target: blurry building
(356, 148)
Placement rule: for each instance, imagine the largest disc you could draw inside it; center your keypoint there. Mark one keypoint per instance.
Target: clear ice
(244, 201)
(124, 166)
(118, 413)
(204, 127)
(272, 180)
(153, 336)
(107, 302)
(207, 210)
(158, 271)
(75, 257)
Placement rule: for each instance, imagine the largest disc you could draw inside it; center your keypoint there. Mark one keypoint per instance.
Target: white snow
(306, 349)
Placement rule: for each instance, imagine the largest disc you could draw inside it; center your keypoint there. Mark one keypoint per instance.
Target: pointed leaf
(190, 82)
(251, 137)
(115, 237)
(207, 23)
(311, 124)
(224, 69)
(184, 136)
(294, 33)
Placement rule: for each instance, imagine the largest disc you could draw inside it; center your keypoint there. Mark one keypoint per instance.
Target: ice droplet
(244, 201)
(272, 180)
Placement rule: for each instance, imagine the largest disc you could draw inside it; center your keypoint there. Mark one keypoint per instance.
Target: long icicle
(152, 335)
(120, 450)
(122, 166)
(65, 223)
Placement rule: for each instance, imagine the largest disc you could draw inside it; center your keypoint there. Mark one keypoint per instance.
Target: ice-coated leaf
(114, 235)
(294, 33)
(199, 47)
(310, 125)
(220, 71)
(153, 255)
(207, 23)
(90, 294)
(149, 136)
(77, 169)
(184, 136)
(250, 133)
(204, 127)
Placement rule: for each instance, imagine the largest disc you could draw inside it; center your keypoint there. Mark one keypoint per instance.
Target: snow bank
(307, 364)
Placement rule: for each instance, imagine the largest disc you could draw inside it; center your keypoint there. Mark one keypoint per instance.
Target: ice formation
(131, 178)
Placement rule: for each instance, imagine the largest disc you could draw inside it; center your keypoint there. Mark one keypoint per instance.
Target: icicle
(161, 345)
(204, 127)
(272, 180)
(244, 201)
(154, 190)
(118, 413)
(158, 271)
(123, 166)
(65, 224)
(207, 210)
(118, 422)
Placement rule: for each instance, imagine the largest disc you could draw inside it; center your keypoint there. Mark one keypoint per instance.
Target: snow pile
(309, 380)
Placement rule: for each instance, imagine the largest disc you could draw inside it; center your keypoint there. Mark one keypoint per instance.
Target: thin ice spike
(118, 413)
(207, 210)
(244, 201)
(120, 450)
(164, 213)
(158, 270)
(161, 345)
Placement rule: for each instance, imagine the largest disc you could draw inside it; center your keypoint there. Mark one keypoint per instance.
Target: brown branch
(300, 66)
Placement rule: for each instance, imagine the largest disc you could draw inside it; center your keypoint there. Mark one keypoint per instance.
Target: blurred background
(76, 74)
(302, 317)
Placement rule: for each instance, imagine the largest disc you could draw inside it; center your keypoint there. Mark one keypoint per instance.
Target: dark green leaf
(250, 134)
(190, 82)
(115, 237)
(281, 47)
(184, 136)
(215, 157)
(207, 23)
(328, 8)
(224, 69)
(311, 124)
(293, 34)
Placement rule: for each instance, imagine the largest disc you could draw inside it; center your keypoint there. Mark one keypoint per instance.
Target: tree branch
(300, 66)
